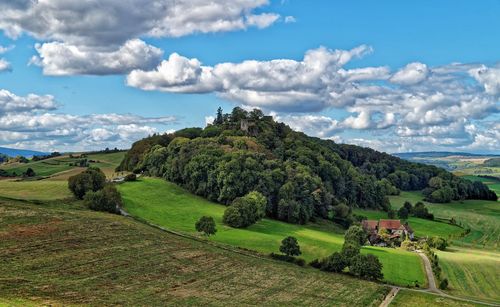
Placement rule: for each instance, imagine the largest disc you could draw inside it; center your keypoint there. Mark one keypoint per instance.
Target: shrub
(290, 247)
(108, 199)
(336, 262)
(355, 235)
(366, 266)
(92, 179)
(29, 173)
(297, 261)
(443, 285)
(438, 242)
(130, 177)
(206, 225)
(403, 213)
(245, 211)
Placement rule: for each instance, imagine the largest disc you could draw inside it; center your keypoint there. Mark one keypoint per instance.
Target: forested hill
(301, 176)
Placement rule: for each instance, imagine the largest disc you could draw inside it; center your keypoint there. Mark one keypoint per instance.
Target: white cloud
(489, 77)
(62, 59)
(4, 65)
(5, 49)
(290, 19)
(412, 73)
(26, 123)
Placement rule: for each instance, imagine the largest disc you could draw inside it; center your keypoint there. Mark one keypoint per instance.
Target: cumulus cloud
(489, 77)
(290, 19)
(311, 84)
(59, 59)
(4, 65)
(412, 73)
(32, 121)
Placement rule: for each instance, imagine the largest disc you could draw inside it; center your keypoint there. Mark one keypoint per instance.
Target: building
(395, 229)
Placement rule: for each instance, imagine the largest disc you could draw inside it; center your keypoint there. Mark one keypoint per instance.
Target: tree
(108, 199)
(366, 266)
(206, 225)
(92, 179)
(336, 262)
(355, 235)
(130, 177)
(391, 213)
(246, 210)
(29, 173)
(350, 250)
(403, 213)
(408, 206)
(383, 235)
(219, 119)
(290, 247)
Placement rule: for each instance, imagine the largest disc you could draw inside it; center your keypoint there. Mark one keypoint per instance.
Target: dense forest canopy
(301, 177)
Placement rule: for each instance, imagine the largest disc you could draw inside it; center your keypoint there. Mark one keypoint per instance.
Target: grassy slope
(482, 217)
(473, 273)
(49, 167)
(168, 205)
(55, 187)
(59, 255)
(408, 298)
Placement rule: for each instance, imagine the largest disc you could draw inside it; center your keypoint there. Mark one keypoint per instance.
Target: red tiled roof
(389, 224)
(369, 224)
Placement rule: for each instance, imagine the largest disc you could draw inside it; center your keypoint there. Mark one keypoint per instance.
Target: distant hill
(13, 152)
(438, 154)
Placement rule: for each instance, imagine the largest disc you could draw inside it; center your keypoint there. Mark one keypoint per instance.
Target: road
(431, 281)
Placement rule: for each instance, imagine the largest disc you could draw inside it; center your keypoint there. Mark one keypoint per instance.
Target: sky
(396, 76)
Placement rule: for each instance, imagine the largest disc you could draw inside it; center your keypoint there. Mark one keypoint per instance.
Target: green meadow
(472, 272)
(408, 298)
(168, 205)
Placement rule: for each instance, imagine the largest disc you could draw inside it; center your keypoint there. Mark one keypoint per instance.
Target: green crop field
(472, 272)
(421, 227)
(60, 255)
(166, 204)
(407, 298)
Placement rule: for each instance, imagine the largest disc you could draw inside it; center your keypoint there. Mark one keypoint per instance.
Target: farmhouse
(395, 229)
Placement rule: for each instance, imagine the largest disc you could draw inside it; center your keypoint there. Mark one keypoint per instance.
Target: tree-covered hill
(302, 177)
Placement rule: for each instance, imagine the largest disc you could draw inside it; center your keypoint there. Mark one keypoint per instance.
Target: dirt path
(430, 275)
(390, 296)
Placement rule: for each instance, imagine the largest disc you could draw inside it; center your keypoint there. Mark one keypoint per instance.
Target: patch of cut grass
(56, 255)
(34, 190)
(407, 298)
(168, 205)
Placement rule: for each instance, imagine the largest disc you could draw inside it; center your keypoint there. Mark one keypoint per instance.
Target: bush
(438, 242)
(336, 262)
(130, 177)
(443, 285)
(403, 213)
(108, 199)
(366, 266)
(297, 261)
(92, 179)
(245, 211)
(290, 247)
(206, 225)
(29, 173)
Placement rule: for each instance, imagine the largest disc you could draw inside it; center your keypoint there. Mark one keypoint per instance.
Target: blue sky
(443, 106)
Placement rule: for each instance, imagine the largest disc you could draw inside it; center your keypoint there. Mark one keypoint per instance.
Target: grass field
(59, 255)
(482, 217)
(166, 204)
(34, 190)
(53, 166)
(472, 272)
(407, 298)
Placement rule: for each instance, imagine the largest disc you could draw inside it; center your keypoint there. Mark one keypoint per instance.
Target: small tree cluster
(290, 247)
(363, 266)
(206, 225)
(420, 211)
(29, 173)
(246, 210)
(92, 179)
(108, 199)
(130, 177)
